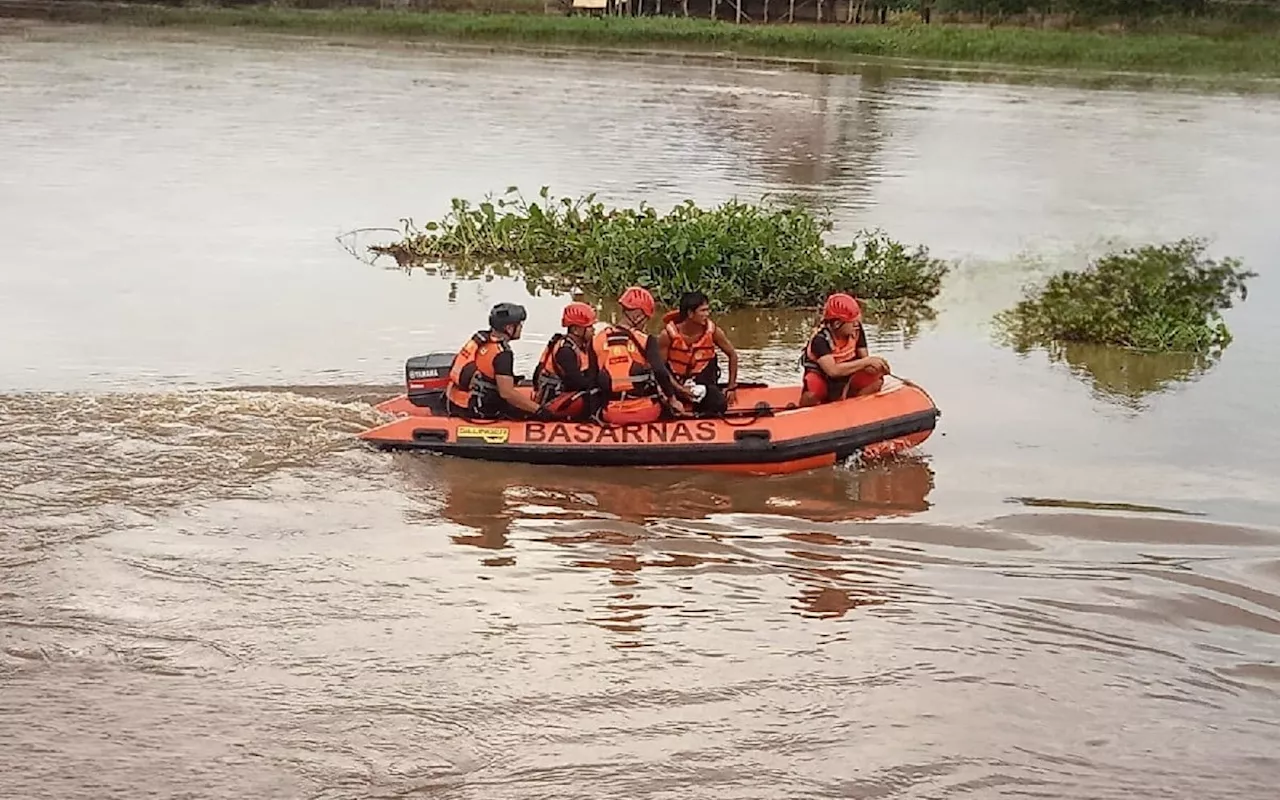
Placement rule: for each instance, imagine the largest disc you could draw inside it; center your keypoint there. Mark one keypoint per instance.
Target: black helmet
(504, 314)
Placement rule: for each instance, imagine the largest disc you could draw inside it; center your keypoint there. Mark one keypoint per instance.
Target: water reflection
(808, 132)
(488, 496)
(1126, 377)
(623, 523)
(758, 329)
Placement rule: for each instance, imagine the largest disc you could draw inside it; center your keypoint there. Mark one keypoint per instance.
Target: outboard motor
(426, 378)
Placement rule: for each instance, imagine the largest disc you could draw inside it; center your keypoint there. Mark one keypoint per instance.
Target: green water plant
(740, 254)
(1166, 297)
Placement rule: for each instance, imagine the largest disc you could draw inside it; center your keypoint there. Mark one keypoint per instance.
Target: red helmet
(637, 298)
(842, 308)
(578, 314)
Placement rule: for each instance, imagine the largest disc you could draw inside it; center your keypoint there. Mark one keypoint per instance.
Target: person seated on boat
(482, 380)
(688, 345)
(635, 384)
(835, 361)
(565, 379)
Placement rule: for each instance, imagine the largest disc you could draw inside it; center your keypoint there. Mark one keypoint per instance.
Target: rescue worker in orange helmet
(482, 379)
(634, 381)
(565, 379)
(835, 361)
(688, 345)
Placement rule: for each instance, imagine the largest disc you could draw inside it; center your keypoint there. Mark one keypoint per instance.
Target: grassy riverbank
(1182, 53)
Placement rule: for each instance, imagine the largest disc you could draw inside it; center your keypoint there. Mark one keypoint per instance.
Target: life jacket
(686, 359)
(473, 381)
(841, 351)
(621, 354)
(548, 382)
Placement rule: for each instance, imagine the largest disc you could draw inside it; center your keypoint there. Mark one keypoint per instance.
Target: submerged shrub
(740, 255)
(1157, 297)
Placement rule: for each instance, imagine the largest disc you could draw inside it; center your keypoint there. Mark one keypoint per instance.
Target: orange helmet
(637, 298)
(578, 314)
(841, 308)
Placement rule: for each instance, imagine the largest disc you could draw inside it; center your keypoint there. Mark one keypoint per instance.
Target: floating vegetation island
(1166, 298)
(741, 255)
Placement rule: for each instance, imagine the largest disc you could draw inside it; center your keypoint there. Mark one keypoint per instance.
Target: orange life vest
(548, 381)
(621, 354)
(843, 349)
(687, 358)
(472, 378)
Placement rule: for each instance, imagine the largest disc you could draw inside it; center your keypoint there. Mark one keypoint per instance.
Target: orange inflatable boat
(763, 433)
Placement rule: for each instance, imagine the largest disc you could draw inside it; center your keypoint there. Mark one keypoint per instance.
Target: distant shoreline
(1185, 54)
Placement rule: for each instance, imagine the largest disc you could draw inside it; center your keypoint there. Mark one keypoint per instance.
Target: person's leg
(511, 413)
(714, 402)
(639, 410)
(865, 382)
(814, 390)
(569, 406)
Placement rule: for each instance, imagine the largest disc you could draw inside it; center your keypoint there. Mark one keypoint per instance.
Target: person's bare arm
(504, 369)
(666, 381)
(834, 370)
(664, 346)
(864, 355)
(508, 391)
(731, 353)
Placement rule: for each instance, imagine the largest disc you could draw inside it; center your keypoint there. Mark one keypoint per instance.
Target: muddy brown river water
(208, 588)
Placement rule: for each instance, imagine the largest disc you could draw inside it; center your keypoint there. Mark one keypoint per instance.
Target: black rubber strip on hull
(843, 443)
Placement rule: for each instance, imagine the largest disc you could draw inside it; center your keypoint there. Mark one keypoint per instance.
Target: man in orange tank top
(835, 361)
(687, 345)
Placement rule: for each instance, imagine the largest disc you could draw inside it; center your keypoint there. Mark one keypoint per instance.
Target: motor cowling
(427, 376)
